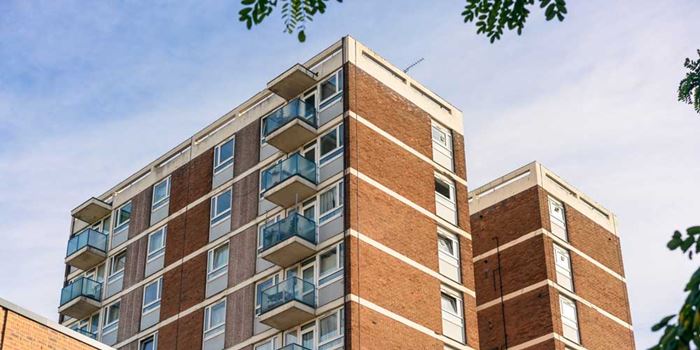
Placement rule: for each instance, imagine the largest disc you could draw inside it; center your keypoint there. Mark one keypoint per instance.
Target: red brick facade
(532, 313)
(374, 275)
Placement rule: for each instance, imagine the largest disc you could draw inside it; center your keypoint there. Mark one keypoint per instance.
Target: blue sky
(92, 91)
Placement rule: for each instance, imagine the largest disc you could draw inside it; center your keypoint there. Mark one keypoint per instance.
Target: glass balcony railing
(87, 238)
(87, 333)
(294, 165)
(293, 225)
(295, 109)
(291, 289)
(81, 287)
(293, 347)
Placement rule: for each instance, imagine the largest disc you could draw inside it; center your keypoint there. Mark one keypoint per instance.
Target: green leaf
(663, 323)
(301, 36)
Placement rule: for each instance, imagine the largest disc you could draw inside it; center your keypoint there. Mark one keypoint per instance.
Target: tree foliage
(685, 328)
(295, 13)
(491, 17)
(689, 88)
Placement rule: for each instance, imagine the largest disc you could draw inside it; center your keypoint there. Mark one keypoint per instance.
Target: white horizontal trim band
(443, 223)
(409, 261)
(560, 242)
(407, 148)
(396, 317)
(561, 290)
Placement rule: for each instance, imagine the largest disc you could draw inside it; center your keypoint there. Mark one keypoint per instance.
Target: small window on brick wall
(442, 146)
(569, 318)
(562, 264)
(557, 218)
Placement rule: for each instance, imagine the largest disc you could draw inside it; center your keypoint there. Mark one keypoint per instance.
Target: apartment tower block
(328, 211)
(547, 265)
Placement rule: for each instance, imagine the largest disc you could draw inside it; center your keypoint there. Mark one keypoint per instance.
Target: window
(268, 344)
(445, 199)
(452, 314)
(331, 202)
(260, 287)
(149, 343)
(223, 155)
(569, 319)
(557, 218)
(116, 266)
(156, 243)
(262, 227)
(102, 225)
(330, 265)
(331, 144)
(448, 253)
(151, 295)
(442, 146)
(161, 194)
(330, 331)
(220, 207)
(111, 320)
(217, 262)
(88, 326)
(562, 262)
(214, 319)
(330, 89)
(122, 217)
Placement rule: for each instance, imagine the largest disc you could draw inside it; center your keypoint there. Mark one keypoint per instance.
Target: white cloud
(89, 95)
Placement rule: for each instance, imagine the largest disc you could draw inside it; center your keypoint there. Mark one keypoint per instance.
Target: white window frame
(258, 303)
(565, 270)
(208, 327)
(339, 332)
(272, 341)
(448, 203)
(163, 201)
(444, 148)
(337, 210)
(155, 304)
(100, 226)
(567, 322)
(150, 256)
(216, 219)
(112, 326)
(554, 220)
(113, 275)
(261, 227)
(223, 164)
(215, 272)
(121, 226)
(451, 258)
(339, 260)
(449, 315)
(339, 144)
(153, 337)
(338, 76)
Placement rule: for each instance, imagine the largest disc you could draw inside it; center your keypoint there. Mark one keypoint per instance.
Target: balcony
(293, 347)
(87, 333)
(291, 126)
(289, 240)
(87, 249)
(289, 182)
(288, 304)
(80, 298)
(292, 82)
(92, 210)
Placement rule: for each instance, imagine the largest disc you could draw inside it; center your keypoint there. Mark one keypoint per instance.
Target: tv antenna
(413, 65)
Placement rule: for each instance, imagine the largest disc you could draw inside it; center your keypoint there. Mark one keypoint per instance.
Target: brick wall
(371, 273)
(532, 261)
(22, 333)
